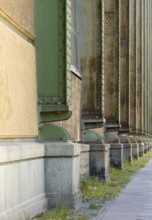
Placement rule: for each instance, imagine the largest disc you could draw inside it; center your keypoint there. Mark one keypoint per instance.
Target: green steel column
(53, 56)
(53, 53)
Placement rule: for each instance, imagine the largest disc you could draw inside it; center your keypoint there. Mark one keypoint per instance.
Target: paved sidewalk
(135, 201)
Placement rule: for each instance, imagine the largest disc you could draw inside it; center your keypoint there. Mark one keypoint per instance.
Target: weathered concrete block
(99, 160)
(146, 147)
(116, 155)
(141, 149)
(22, 188)
(127, 151)
(135, 146)
(135, 150)
(62, 174)
(150, 144)
(84, 161)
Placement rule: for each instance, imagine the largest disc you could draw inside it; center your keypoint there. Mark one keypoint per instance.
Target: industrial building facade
(75, 93)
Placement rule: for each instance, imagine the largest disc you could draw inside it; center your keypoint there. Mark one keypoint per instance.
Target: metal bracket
(49, 132)
(111, 138)
(123, 139)
(54, 116)
(91, 136)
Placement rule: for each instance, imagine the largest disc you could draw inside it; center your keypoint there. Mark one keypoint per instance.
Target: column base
(146, 147)
(116, 155)
(62, 174)
(22, 187)
(99, 161)
(141, 149)
(135, 150)
(127, 151)
(84, 161)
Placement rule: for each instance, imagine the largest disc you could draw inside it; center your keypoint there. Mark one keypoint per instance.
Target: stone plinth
(116, 155)
(127, 151)
(22, 188)
(62, 174)
(141, 149)
(84, 161)
(135, 150)
(99, 160)
(150, 145)
(146, 147)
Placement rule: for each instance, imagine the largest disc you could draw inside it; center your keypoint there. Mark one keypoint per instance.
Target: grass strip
(93, 188)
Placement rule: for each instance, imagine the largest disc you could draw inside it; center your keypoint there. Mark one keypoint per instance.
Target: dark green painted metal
(91, 136)
(54, 133)
(53, 46)
(55, 116)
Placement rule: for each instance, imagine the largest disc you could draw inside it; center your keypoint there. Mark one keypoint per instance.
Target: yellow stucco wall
(18, 108)
(21, 11)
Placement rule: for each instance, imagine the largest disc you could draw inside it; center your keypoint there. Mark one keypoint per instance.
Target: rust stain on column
(138, 66)
(111, 70)
(132, 65)
(89, 65)
(124, 63)
(90, 52)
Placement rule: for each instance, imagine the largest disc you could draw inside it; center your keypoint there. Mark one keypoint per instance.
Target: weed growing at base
(61, 213)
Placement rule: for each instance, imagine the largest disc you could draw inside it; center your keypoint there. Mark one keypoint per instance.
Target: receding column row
(127, 66)
(115, 52)
(132, 79)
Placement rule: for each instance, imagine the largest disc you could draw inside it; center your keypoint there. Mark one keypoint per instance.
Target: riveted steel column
(53, 54)
(138, 66)
(103, 62)
(143, 67)
(132, 65)
(150, 67)
(146, 69)
(90, 55)
(124, 63)
(149, 130)
(149, 63)
(111, 42)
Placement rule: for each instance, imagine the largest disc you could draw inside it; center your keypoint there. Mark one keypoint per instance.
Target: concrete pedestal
(84, 161)
(99, 160)
(116, 155)
(127, 151)
(146, 147)
(141, 149)
(150, 145)
(135, 150)
(22, 188)
(62, 174)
